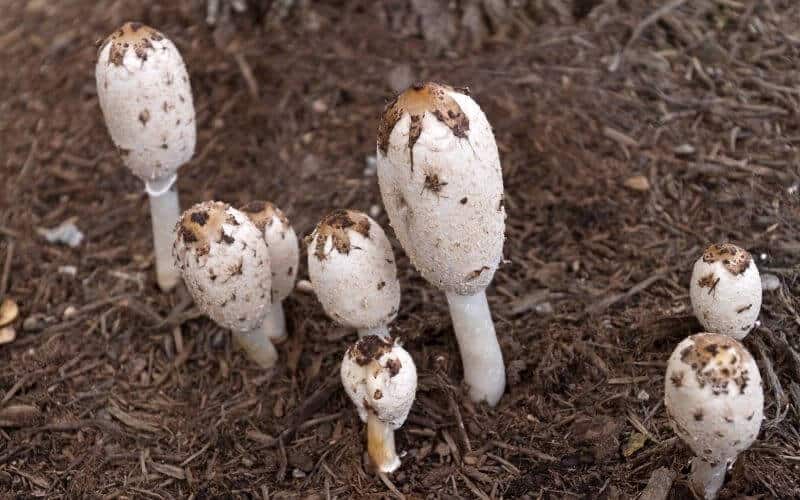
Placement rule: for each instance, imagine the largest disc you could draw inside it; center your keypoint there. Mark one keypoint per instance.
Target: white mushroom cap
(284, 252)
(146, 98)
(225, 264)
(380, 377)
(442, 186)
(352, 270)
(726, 290)
(714, 396)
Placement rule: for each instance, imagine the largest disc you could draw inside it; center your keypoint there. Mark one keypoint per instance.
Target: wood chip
(7, 335)
(637, 183)
(659, 485)
(129, 420)
(19, 415)
(8, 311)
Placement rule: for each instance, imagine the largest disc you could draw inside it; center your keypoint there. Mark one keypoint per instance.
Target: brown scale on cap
(135, 36)
(202, 224)
(416, 101)
(717, 361)
(262, 212)
(369, 349)
(735, 259)
(336, 225)
(709, 281)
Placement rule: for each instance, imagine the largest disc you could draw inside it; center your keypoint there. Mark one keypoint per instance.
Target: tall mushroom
(284, 257)
(381, 379)
(146, 99)
(225, 264)
(726, 290)
(351, 267)
(441, 183)
(715, 403)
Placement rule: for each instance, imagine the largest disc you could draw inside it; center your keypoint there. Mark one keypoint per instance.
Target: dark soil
(112, 388)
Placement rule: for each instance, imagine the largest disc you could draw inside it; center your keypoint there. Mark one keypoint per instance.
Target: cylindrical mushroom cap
(225, 264)
(352, 270)
(442, 186)
(714, 396)
(146, 98)
(380, 377)
(284, 253)
(726, 290)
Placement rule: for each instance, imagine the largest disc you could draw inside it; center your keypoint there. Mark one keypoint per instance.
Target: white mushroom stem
(257, 346)
(380, 445)
(274, 326)
(484, 370)
(380, 331)
(164, 212)
(707, 478)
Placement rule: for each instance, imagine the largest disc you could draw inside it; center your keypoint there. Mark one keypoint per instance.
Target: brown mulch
(628, 143)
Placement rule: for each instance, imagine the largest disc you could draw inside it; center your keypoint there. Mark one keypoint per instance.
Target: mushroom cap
(352, 270)
(380, 377)
(225, 264)
(726, 290)
(284, 252)
(146, 99)
(714, 396)
(442, 185)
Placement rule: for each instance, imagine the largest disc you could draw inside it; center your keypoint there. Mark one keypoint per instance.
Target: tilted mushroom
(381, 379)
(442, 185)
(146, 99)
(225, 264)
(352, 269)
(284, 257)
(715, 402)
(726, 290)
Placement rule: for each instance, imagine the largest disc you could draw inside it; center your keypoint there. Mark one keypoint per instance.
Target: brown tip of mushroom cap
(336, 224)
(369, 348)
(261, 213)
(734, 258)
(717, 360)
(133, 35)
(416, 100)
(202, 224)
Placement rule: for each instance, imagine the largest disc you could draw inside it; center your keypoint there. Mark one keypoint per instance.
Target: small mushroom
(352, 270)
(442, 186)
(284, 256)
(225, 264)
(715, 402)
(146, 99)
(381, 379)
(726, 290)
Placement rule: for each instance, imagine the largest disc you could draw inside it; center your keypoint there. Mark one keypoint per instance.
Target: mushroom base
(274, 325)
(258, 347)
(380, 445)
(380, 330)
(707, 479)
(164, 213)
(484, 370)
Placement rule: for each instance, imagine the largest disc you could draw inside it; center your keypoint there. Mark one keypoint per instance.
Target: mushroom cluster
(715, 402)
(146, 98)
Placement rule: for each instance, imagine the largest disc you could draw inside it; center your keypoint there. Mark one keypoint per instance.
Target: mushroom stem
(164, 212)
(274, 325)
(380, 445)
(258, 347)
(380, 331)
(707, 478)
(484, 370)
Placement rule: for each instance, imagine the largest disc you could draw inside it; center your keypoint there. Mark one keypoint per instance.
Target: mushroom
(442, 185)
(352, 270)
(146, 99)
(225, 264)
(715, 402)
(381, 379)
(284, 257)
(726, 290)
